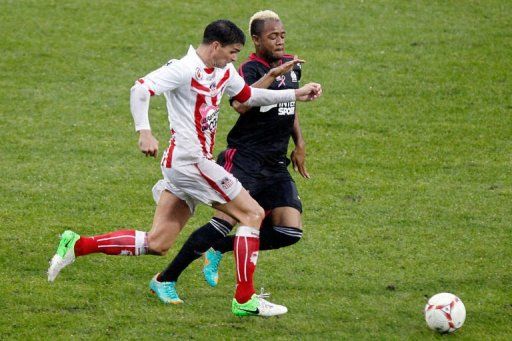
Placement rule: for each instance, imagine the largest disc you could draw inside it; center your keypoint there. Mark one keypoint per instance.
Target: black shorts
(271, 187)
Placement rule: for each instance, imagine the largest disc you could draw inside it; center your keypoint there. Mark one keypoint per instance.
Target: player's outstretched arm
(258, 97)
(265, 81)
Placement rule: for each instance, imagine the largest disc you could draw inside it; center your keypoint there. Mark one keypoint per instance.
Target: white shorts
(203, 182)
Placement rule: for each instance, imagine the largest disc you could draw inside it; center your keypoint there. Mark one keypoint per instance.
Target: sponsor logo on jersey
(287, 108)
(226, 183)
(209, 117)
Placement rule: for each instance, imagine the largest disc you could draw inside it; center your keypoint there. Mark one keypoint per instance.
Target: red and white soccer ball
(445, 313)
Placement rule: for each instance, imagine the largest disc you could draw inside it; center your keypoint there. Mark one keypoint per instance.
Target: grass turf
(410, 152)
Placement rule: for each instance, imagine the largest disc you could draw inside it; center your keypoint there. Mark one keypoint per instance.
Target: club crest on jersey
(199, 74)
(226, 182)
(209, 117)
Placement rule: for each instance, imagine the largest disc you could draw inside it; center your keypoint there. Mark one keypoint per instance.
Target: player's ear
(256, 40)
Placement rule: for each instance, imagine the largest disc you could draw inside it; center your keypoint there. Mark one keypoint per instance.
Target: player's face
(223, 55)
(271, 41)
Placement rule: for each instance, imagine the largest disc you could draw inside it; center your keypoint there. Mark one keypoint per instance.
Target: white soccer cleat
(65, 254)
(267, 308)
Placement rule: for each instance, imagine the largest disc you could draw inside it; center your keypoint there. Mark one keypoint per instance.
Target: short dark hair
(223, 31)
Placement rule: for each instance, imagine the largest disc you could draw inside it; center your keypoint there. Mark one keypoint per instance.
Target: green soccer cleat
(212, 259)
(165, 291)
(257, 306)
(65, 254)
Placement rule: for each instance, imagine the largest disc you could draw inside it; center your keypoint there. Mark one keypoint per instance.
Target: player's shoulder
(175, 67)
(250, 66)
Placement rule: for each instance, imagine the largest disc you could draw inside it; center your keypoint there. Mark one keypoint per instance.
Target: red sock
(122, 242)
(245, 249)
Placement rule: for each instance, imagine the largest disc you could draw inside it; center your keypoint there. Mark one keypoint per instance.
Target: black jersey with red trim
(263, 133)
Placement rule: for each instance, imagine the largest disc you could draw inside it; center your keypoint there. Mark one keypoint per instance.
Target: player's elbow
(140, 91)
(240, 107)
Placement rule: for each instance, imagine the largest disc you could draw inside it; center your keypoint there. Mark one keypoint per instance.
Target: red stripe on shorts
(214, 185)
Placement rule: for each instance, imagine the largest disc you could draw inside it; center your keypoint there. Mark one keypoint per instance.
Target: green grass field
(410, 150)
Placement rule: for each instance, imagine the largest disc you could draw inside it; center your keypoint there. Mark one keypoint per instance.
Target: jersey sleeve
(168, 77)
(236, 87)
(249, 72)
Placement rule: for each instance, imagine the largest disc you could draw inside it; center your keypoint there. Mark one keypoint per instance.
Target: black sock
(198, 242)
(271, 238)
(276, 237)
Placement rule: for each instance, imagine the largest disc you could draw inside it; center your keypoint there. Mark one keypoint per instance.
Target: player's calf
(276, 237)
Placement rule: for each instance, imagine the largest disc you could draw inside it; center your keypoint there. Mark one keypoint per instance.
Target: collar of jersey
(254, 56)
(193, 54)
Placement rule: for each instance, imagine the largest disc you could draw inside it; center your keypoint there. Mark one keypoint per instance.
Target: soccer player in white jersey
(193, 87)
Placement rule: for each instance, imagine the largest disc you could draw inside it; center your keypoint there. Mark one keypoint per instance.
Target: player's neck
(205, 55)
(271, 62)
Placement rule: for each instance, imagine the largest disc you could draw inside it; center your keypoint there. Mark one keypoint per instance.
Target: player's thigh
(171, 215)
(286, 216)
(244, 209)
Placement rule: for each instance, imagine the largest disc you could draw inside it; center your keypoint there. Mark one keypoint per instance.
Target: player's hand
(308, 92)
(298, 158)
(285, 67)
(147, 143)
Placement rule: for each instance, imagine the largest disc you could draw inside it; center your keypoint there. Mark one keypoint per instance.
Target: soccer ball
(445, 313)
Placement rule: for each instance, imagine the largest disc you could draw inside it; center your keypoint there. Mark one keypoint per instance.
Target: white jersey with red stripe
(193, 93)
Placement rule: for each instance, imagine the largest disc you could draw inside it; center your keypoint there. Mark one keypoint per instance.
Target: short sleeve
(250, 73)
(168, 77)
(235, 84)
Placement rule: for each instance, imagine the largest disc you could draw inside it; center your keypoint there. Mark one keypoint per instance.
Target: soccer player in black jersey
(256, 156)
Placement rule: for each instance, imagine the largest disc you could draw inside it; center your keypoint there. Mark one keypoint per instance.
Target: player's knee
(256, 216)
